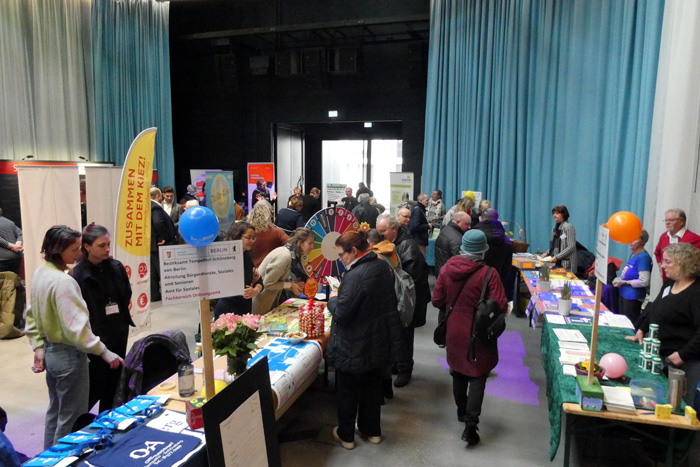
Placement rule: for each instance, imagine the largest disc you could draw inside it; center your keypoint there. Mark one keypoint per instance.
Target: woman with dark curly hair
(366, 337)
(562, 244)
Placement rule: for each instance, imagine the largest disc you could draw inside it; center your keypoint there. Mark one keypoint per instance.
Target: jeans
(359, 396)
(67, 379)
(469, 394)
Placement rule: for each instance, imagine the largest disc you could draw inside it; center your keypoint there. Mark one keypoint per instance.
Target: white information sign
(190, 274)
(243, 435)
(335, 191)
(601, 254)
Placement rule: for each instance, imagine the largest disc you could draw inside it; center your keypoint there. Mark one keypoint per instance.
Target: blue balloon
(198, 226)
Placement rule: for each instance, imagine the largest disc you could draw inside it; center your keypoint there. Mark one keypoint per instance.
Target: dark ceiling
(340, 33)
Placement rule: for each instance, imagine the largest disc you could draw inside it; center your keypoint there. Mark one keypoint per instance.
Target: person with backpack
(462, 283)
(385, 252)
(365, 338)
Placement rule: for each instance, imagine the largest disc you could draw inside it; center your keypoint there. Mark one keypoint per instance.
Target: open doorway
(349, 162)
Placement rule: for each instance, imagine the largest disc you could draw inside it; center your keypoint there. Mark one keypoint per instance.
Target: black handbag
(489, 320)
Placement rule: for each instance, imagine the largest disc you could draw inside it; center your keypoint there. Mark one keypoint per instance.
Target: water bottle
(676, 388)
(185, 379)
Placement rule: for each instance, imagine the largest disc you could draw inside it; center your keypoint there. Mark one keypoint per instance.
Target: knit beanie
(474, 242)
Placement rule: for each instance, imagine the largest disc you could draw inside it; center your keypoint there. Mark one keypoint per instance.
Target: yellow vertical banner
(133, 226)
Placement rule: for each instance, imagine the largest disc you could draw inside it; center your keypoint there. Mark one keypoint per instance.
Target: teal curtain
(131, 63)
(540, 103)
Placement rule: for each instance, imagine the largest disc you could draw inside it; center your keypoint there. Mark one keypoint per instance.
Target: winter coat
(275, 273)
(465, 277)
(500, 252)
(366, 332)
(447, 244)
(418, 226)
(365, 212)
(289, 219)
(413, 262)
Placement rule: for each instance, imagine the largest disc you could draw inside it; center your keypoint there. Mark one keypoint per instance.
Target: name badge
(563, 236)
(667, 291)
(112, 310)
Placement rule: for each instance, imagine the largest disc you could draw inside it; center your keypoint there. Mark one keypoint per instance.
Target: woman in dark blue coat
(366, 336)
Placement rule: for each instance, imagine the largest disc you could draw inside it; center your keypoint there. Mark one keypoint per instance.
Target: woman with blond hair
(268, 235)
(276, 270)
(677, 312)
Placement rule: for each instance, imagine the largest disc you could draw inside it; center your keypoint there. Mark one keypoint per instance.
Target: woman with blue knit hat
(459, 286)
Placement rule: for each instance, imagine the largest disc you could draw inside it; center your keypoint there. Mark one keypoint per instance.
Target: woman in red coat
(460, 283)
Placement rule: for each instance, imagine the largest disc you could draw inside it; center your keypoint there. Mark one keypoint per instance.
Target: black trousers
(630, 308)
(359, 397)
(409, 332)
(469, 394)
(103, 379)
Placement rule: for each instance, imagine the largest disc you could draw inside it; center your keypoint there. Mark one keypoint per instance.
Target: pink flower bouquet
(235, 335)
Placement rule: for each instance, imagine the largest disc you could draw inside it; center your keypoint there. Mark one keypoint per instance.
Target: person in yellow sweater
(58, 327)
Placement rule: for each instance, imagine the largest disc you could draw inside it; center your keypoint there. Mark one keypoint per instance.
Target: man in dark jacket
(500, 253)
(450, 239)
(162, 233)
(365, 212)
(312, 204)
(413, 262)
(419, 226)
(349, 202)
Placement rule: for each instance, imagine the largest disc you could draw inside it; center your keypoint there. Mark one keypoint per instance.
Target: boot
(387, 389)
(470, 435)
(403, 378)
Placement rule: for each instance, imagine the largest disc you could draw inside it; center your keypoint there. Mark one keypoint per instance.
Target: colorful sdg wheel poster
(327, 225)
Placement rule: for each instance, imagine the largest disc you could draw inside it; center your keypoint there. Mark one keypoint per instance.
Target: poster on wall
(198, 177)
(219, 192)
(401, 189)
(132, 239)
(261, 182)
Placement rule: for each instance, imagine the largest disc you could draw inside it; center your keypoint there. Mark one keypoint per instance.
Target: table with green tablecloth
(561, 389)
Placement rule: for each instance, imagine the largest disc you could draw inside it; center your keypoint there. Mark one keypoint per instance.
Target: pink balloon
(615, 365)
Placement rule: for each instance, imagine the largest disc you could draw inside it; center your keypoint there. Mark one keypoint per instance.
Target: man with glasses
(404, 216)
(675, 232)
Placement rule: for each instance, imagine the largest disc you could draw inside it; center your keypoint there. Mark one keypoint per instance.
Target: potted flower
(543, 279)
(565, 300)
(234, 336)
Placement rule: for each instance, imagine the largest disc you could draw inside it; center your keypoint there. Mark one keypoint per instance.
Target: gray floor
(419, 425)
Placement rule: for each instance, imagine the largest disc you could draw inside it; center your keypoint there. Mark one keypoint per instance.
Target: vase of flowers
(234, 336)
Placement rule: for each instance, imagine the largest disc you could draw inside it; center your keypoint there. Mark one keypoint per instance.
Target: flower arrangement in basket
(234, 336)
(521, 245)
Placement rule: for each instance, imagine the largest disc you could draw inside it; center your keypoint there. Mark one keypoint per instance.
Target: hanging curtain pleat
(541, 103)
(131, 58)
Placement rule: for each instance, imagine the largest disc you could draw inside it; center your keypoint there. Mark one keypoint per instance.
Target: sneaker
(471, 436)
(371, 439)
(402, 379)
(345, 444)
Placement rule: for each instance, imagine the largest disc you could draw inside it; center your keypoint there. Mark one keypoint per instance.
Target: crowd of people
(78, 323)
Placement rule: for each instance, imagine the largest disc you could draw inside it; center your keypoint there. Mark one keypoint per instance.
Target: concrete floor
(419, 425)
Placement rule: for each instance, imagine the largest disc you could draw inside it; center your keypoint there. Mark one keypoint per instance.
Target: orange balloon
(624, 227)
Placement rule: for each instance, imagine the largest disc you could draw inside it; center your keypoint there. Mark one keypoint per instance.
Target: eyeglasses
(252, 238)
(667, 221)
